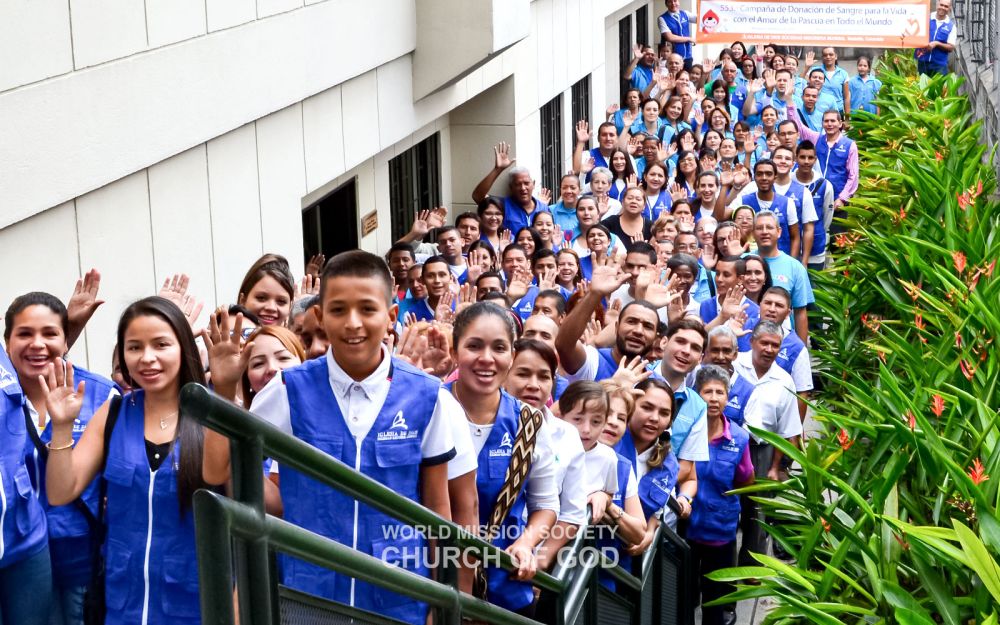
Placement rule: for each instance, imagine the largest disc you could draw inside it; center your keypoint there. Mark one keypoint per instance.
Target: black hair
(768, 282)
(432, 260)
(269, 265)
(641, 247)
(806, 145)
(738, 263)
(600, 227)
(706, 151)
(540, 253)
(764, 161)
(781, 292)
(661, 447)
(466, 216)
(498, 297)
(535, 236)
(553, 294)
(237, 309)
(407, 248)
(189, 432)
(443, 229)
(357, 264)
(687, 323)
(510, 248)
(683, 260)
(583, 391)
(34, 298)
(481, 309)
(492, 274)
(641, 303)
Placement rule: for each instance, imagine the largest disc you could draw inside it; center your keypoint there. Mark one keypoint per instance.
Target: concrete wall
(148, 139)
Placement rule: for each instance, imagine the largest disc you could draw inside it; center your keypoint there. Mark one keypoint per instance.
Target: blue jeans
(67, 609)
(26, 591)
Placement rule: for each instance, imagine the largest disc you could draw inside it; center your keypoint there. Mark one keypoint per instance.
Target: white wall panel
(181, 220)
(29, 266)
(396, 117)
(266, 8)
(361, 128)
(107, 30)
(228, 13)
(116, 239)
(34, 41)
(323, 137)
(560, 35)
(170, 21)
(233, 192)
(281, 165)
(543, 60)
(576, 41)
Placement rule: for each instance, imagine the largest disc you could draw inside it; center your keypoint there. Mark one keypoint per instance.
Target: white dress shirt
(772, 406)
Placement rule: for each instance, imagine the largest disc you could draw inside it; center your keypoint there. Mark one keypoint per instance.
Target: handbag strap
(517, 471)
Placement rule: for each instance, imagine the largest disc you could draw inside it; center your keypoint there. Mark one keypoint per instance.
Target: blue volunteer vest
(715, 515)
(780, 206)
(710, 310)
(69, 534)
(494, 459)
(526, 304)
(663, 202)
(692, 408)
(939, 31)
(833, 162)
(680, 26)
(560, 385)
(389, 454)
(656, 487)
(152, 568)
(796, 192)
(23, 528)
(740, 390)
(515, 217)
(791, 347)
(818, 190)
(624, 470)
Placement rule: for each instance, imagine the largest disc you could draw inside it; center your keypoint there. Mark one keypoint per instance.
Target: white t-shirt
(602, 470)
(466, 457)
(773, 405)
(571, 470)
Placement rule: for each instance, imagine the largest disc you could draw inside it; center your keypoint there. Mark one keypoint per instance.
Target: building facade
(150, 138)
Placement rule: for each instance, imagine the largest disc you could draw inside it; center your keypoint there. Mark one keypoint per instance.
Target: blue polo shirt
(515, 217)
(641, 76)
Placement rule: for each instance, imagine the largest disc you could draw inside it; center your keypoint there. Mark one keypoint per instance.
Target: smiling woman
(267, 289)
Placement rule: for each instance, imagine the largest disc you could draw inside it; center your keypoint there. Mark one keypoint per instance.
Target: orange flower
(988, 270)
(826, 525)
(968, 370)
(844, 439)
(912, 420)
(902, 213)
(964, 201)
(937, 405)
(959, 259)
(977, 472)
(937, 155)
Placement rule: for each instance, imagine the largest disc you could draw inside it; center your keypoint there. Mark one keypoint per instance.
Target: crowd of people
(520, 370)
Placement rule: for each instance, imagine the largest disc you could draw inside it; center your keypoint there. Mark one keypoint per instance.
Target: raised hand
(631, 372)
(611, 110)
(810, 59)
(726, 178)
(662, 153)
(677, 192)
(583, 132)
(437, 217)
(637, 50)
(409, 319)
(590, 333)
(628, 118)
(733, 303)
(632, 180)
(502, 153)
(603, 204)
(547, 279)
(420, 223)
(62, 400)
(756, 85)
(472, 272)
(443, 311)
(769, 80)
(84, 302)
(227, 355)
(412, 346)
(606, 277)
(635, 145)
(174, 288)
(479, 257)
(466, 297)
(588, 165)
(699, 118)
(737, 322)
(307, 287)
(707, 66)
(436, 358)
(518, 284)
(545, 195)
(557, 234)
(661, 293)
(315, 265)
(741, 175)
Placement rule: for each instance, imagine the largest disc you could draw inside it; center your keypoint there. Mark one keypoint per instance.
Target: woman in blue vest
(153, 466)
(646, 444)
(25, 567)
(483, 350)
(622, 169)
(715, 516)
(35, 331)
(658, 197)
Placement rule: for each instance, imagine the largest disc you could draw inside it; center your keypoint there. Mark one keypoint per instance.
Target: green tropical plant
(893, 517)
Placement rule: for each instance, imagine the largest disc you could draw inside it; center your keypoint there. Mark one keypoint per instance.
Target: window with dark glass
(414, 183)
(551, 126)
(624, 53)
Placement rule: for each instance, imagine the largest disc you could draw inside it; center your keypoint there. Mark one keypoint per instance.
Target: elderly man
(771, 406)
(520, 204)
(639, 72)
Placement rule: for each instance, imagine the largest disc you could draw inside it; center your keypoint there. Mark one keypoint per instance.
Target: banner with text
(846, 23)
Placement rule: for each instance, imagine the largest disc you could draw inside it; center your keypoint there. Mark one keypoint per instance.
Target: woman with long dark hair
(152, 463)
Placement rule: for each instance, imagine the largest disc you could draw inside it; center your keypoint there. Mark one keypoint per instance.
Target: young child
(374, 412)
(584, 405)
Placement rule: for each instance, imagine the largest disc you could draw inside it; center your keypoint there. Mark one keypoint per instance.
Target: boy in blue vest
(822, 198)
(934, 58)
(766, 198)
(731, 300)
(373, 412)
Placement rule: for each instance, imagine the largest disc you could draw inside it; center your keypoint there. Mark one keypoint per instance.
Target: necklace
(165, 421)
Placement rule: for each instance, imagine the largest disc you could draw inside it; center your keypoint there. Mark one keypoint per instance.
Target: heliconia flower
(946, 122)
(911, 420)
(902, 213)
(847, 273)
(937, 405)
(988, 269)
(959, 259)
(958, 339)
(826, 525)
(967, 369)
(937, 156)
(881, 356)
(974, 280)
(918, 321)
(979, 188)
(902, 542)
(964, 201)
(844, 439)
(977, 472)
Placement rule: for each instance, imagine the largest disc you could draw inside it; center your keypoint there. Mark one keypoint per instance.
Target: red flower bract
(959, 259)
(937, 405)
(977, 472)
(844, 439)
(911, 420)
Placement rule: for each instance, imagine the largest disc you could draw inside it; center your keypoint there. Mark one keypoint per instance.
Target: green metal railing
(236, 537)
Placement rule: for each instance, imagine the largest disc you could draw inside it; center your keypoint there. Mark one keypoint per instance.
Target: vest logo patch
(734, 402)
(6, 378)
(731, 447)
(398, 421)
(505, 447)
(783, 354)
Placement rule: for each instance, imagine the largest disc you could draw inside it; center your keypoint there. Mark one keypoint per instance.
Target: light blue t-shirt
(792, 276)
